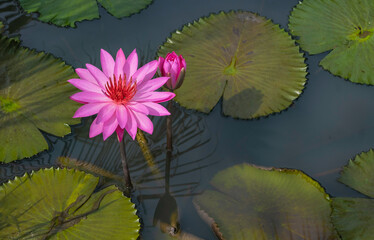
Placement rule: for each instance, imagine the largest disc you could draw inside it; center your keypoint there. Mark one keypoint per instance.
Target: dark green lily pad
(246, 58)
(124, 8)
(34, 95)
(354, 217)
(62, 204)
(248, 202)
(67, 12)
(346, 27)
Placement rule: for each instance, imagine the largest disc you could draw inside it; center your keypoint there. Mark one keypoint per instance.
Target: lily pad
(358, 174)
(67, 12)
(354, 217)
(253, 63)
(346, 27)
(34, 95)
(62, 204)
(248, 202)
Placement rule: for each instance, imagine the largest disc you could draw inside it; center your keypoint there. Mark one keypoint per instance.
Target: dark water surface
(330, 123)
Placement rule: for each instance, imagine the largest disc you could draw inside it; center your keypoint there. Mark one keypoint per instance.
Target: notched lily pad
(62, 204)
(253, 63)
(346, 27)
(67, 12)
(248, 202)
(354, 217)
(34, 95)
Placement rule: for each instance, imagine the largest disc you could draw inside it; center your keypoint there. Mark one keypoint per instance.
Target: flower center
(8, 105)
(120, 91)
(361, 35)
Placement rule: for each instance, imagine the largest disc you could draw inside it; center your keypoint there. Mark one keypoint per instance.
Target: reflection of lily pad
(254, 203)
(61, 204)
(246, 58)
(67, 12)
(346, 27)
(13, 18)
(354, 217)
(33, 94)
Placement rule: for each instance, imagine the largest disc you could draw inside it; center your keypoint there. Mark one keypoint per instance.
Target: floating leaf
(67, 12)
(358, 174)
(354, 217)
(246, 58)
(124, 8)
(34, 95)
(248, 202)
(62, 204)
(346, 27)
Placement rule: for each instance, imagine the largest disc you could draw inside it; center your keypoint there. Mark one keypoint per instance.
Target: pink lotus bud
(174, 67)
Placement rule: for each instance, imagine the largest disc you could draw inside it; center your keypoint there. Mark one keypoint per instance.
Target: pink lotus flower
(172, 66)
(121, 95)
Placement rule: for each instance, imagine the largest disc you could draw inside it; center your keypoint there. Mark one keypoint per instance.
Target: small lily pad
(358, 174)
(346, 27)
(67, 12)
(124, 8)
(34, 95)
(253, 63)
(62, 204)
(248, 202)
(354, 217)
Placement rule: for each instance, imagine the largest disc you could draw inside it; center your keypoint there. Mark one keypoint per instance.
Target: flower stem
(169, 144)
(169, 147)
(125, 167)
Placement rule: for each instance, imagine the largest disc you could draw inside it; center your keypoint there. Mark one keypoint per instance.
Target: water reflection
(13, 18)
(166, 213)
(174, 175)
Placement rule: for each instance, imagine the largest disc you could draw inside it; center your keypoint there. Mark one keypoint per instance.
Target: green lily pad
(358, 174)
(248, 202)
(246, 58)
(124, 8)
(67, 12)
(1, 27)
(34, 95)
(346, 27)
(354, 217)
(62, 204)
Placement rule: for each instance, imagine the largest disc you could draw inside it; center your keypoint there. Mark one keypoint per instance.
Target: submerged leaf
(67, 12)
(246, 58)
(354, 217)
(34, 95)
(248, 202)
(346, 27)
(61, 204)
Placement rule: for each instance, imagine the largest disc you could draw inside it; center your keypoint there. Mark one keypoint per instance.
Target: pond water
(327, 125)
